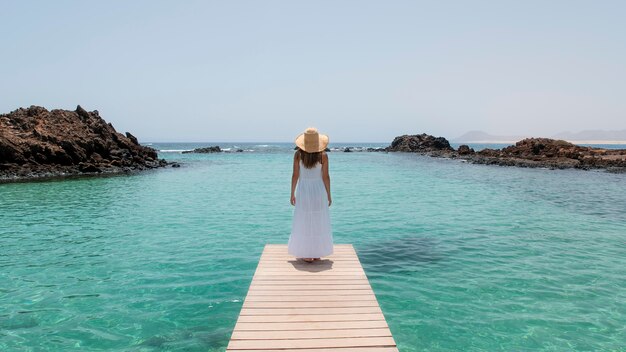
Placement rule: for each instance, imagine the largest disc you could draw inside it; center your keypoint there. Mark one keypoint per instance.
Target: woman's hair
(310, 159)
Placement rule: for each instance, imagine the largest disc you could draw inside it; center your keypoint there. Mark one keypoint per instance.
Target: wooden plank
(305, 266)
(316, 298)
(309, 334)
(314, 343)
(283, 247)
(259, 292)
(309, 317)
(311, 286)
(349, 349)
(348, 276)
(314, 281)
(325, 325)
(316, 264)
(331, 258)
(343, 256)
(313, 265)
(310, 304)
(307, 274)
(284, 254)
(343, 271)
(326, 305)
(311, 311)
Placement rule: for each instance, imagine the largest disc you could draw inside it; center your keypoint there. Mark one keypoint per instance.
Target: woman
(311, 235)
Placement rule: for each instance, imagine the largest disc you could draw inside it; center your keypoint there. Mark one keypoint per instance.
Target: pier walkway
(327, 305)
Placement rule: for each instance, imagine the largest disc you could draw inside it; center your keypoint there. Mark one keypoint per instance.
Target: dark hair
(309, 160)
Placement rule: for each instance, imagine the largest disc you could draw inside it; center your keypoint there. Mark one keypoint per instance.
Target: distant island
(583, 137)
(594, 137)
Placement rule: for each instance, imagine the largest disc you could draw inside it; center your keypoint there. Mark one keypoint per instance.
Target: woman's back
(313, 173)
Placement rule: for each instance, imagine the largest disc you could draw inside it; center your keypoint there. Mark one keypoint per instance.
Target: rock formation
(529, 152)
(465, 150)
(551, 153)
(419, 143)
(36, 143)
(206, 150)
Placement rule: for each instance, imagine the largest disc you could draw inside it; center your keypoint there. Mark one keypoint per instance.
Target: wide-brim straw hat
(311, 141)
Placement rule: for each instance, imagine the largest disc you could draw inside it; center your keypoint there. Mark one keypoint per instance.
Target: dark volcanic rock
(546, 152)
(213, 149)
(530, 152)
(132, 138)
(35, 143)
(419, 143)
(465, 150)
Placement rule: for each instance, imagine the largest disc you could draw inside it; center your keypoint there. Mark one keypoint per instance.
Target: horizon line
(586, 141)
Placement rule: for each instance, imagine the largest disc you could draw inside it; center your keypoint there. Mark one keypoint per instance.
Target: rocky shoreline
(529, 152)
(39, 144)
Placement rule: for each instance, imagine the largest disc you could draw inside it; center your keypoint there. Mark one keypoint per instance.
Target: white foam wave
(173, 150)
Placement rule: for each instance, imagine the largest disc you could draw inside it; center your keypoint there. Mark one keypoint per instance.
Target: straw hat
(311, 141)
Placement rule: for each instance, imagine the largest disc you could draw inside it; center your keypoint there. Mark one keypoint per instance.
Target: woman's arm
(294, 176)
(326, 177)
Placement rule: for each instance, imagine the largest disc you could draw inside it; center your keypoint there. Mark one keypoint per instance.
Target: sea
(461, 257)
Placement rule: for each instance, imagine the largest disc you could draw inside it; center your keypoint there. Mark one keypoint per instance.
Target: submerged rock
(35, 143)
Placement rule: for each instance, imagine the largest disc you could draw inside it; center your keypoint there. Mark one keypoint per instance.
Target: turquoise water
(461, 257)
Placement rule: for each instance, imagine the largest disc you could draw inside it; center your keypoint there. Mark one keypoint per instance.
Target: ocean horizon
(460, 256)
(176, 147)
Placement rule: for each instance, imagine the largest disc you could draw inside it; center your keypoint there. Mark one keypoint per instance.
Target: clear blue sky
(357, 70)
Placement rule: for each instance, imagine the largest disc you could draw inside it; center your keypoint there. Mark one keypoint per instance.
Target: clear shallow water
(461, 257)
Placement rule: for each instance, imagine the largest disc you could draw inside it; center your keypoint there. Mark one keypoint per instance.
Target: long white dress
(311, 234)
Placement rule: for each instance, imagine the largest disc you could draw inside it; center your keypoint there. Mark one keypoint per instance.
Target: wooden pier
(327, 305)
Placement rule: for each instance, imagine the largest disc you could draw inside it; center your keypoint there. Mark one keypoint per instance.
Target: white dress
(311, 234)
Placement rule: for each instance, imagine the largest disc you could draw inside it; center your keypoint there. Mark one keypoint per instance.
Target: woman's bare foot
(308, 260)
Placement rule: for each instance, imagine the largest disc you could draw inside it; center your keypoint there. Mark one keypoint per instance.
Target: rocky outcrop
(465, 150)
(419, 143)
(36, 143)
(530, 152)
(551, 153)
(206, 150)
